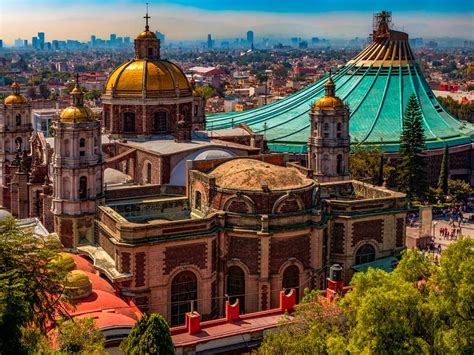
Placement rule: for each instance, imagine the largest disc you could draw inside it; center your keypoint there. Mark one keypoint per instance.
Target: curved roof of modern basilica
(376, 85)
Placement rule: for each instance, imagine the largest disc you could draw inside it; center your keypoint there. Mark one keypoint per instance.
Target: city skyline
(180, 21)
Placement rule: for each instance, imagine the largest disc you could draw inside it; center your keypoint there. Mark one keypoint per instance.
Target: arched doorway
(129, 122)
(291, 279)
(236, 286)
(148, 170)
(183, 292)
(365, 254)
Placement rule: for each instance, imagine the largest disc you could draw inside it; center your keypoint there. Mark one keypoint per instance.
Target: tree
(421, 307)
(44, 91)
(444, 174)
(411, 171)
(205, 91)
(458, 189)
(150, 335)
(365, 163)
(31, 285)
(79, 336)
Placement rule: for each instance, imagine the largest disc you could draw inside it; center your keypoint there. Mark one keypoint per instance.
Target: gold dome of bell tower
(329, 100)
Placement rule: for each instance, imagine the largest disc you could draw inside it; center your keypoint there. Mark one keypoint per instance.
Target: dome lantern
(77, 112)
(15, 98)
(147, 46)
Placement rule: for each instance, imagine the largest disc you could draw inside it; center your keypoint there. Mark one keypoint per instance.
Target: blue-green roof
(376, 97)
(386, 264)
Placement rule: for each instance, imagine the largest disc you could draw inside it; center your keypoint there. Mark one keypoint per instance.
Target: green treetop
(150, 335)
(411, 169)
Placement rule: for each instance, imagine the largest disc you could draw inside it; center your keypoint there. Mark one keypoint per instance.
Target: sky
(191, 19)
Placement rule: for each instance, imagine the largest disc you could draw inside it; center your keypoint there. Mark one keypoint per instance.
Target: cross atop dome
(146, 17)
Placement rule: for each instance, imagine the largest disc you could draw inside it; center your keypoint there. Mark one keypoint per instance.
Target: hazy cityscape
(236, 178)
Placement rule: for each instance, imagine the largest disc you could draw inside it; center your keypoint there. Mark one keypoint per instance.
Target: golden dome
(65, 261)
(146, 34)
(329, 82)
(78, 284)
(75, 114)
(329, 102)
(15, 100)
(15, 85)
(76, 90)
(162, 79)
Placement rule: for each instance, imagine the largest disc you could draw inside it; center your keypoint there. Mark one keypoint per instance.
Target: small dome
(146, 34)
(78, 285)
(326, 102)
(65, 261)
(4, 214)
(74, 114)
(113, 176)
(15, 100)
(251, 174)
(161, 79)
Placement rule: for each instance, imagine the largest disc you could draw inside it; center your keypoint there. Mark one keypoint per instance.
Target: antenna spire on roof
(146, 17)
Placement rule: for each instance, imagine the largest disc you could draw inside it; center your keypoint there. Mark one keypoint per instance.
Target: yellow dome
(146, 34)
(65, 261)
(15, 100)
(162, 79)
(74, 114)
(78, 284)
(326, 102)
(76, 90)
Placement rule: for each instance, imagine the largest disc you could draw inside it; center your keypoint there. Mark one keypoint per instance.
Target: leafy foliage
(205, 91)
(462, 112)
(368, 164)
(420, 307)
(150, 335)
(30, 284)
(411, 171)
(458, 189)
(79, 336)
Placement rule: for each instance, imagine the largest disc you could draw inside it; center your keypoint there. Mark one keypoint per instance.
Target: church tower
(15, 133)
(329, 141)
(77, 172)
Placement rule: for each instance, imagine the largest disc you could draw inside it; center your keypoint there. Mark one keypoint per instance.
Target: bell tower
(15, 133)
(77, 172)
(329, 141)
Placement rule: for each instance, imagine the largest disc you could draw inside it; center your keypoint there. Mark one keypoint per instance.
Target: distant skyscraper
(209, 41)
(41, 40)
(34, 42)
(55, 45)
(93, 39)
(19, 42)
(126, 41)
(113, 38)
(25, 43)
(250, 37)
(1, 43)
(160, 36)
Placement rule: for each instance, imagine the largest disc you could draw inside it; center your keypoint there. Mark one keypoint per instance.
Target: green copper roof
(376, 96)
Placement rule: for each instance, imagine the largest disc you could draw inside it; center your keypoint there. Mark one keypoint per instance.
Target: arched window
(198, 200)
(160, 122)
(107, 120)
(18, 120)
(365, 254)
(129, 122)
(67, 153)
(339, 164)
(339, 126)
(19, 144)
(148, 173)
(291, 279)
(82, 147)
(150, 51)
(66, 186)
(236, 286)
(183, 292)
(82, 187)
(326, 126)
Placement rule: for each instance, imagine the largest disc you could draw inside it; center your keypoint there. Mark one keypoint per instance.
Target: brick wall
(140, 269)
(189, 254)
(247, 250)
(281, 249)
(366, 230)
(338, 234)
